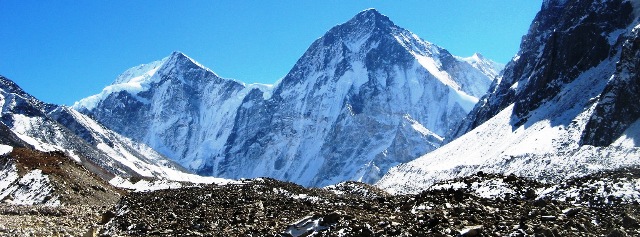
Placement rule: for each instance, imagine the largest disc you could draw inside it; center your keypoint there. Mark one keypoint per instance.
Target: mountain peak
(553, 3)
(177, 57)
(371, 15)
(370, 12)
(178, 53)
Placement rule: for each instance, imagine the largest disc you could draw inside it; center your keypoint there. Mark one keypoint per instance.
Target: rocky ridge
(50, 194)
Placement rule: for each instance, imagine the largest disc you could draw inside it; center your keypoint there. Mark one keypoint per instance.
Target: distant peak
(478, 56)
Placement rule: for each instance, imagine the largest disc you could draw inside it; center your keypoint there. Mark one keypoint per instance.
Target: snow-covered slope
(47, 128)
(364, 97)
(28, 188)
(565, 106)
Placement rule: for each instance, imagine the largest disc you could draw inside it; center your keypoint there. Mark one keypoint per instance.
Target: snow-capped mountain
(365, 96)
(48, 128)
(176, 106)
(565, 106)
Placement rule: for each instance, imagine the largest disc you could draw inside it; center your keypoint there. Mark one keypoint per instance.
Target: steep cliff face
(559, 46)
(364, 97)
(570, 87)
(618, 106)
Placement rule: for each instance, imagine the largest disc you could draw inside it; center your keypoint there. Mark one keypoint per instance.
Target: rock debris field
(604, 204)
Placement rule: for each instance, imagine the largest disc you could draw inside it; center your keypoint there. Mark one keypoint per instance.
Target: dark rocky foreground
(82, 196)
(266, 207)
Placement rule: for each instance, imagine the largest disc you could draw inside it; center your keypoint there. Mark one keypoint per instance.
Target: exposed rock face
(618, 105)
(564, 106)
(560, 46)
(364, 97)
(459, 207)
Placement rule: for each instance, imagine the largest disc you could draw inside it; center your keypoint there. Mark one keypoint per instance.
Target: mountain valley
(373, 132)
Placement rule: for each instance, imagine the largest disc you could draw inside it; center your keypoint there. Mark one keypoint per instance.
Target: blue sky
(61, 51)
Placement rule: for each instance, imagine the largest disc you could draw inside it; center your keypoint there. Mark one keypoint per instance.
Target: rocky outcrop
(560, 46)
(31, 177)
(618, 105)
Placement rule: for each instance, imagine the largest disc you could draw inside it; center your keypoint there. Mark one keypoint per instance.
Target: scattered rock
(630, 222)
(548, 218)
(268, 207)
(617, 233)
(107, 216)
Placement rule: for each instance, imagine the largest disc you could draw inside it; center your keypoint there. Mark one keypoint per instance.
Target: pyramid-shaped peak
(177, 56)
(371, 15)
(370, 12)
(175, 59)
(478, 55)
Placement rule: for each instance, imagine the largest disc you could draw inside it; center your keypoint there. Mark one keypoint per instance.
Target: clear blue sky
(61, 51)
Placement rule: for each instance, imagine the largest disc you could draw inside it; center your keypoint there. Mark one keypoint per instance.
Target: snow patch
(4, 149)
(630, 137)
(309, 225)
(34, 188)
(421, 129)
(183, 180)
(23, 125)
(8, 176)
(486, 66)
(490, 188)
(433, 67)
(267, 90)
(626, 190)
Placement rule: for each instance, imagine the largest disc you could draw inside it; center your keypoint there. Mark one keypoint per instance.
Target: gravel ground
(268, 207)
(75, 220)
